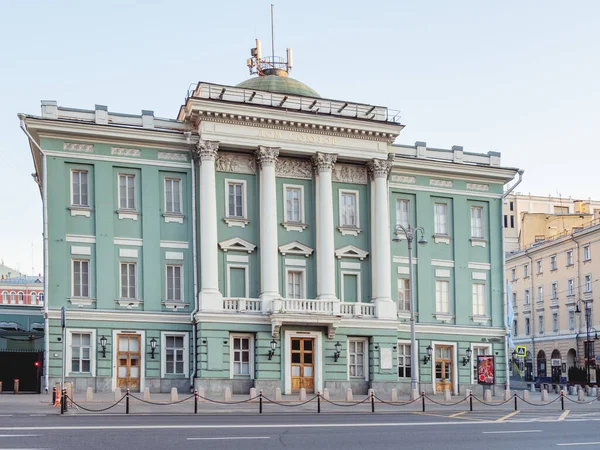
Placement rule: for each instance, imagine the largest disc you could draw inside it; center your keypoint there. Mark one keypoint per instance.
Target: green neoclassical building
(249, 243)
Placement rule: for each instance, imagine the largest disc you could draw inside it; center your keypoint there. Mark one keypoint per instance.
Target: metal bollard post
(65, 400)
(423, 400)
(62, 401)
(260, 396)
(318, 402)
(516, 408)
(562, 400)
(471, 401)
(127, 401)
(53, 395)
(372, 402)
(196, 401)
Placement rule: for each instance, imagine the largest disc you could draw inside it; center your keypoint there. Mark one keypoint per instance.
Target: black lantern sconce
(273, 347)
(152, 347)
(427, 357)
(338, 351)
(103, 345)
(467, 359)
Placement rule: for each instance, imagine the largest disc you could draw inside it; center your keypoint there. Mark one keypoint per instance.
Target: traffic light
(36, 364)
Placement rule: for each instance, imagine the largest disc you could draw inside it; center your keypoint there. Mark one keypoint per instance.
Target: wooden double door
(303, 364)
(128, 361)
(444, 368)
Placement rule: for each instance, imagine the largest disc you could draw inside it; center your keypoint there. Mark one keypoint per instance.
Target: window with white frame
(587, 253)
(13, 298)
(515, 328)
(241, 355)
(587, 283)
(174, 285)
(356, 358)
(514, 298)
(571, 320)
(295, 284)
(402, 212)
(235, 199)
(540, 294)
(41, 298)
(540, 324)
(173, 196)
(349, 209)
(478, 297)
(81, 349)
(351, 287)
(527, 297)
(553, 262)
(33, 298)
(21, 298)
(404, 361)
(478, 351)
(79, 188)
(526, 270)
(174, 355)
(127, 191)
(128, 280)
(513, 274)
(527, 326)
(237, 280)
(440, 218)
(554, 290)
(539, 266)
(477, 222)
(403, 294)
(555, 322)
(81, 278)
(570, 287)
(5, 297)
(442, 303)
(294, 204)
(570, 258)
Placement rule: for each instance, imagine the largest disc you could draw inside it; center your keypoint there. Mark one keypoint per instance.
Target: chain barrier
(347, 404)
(581, 403)
(538, 404)
(295, 404)
(162, 403)
(397, 403)
(447, 404)
(95, 410)
(230, 402)
(483, 402)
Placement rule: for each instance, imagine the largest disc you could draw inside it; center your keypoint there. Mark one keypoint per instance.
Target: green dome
(278, 84)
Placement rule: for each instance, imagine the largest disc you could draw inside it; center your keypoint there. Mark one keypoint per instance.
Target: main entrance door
(443, 368)
(303, 364)
(128, 361)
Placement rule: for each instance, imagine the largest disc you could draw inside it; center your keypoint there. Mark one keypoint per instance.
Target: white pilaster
(210, 299)
(386, 308)
(323, 163)
(269, 267)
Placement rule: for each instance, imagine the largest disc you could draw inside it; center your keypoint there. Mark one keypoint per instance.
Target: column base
(385, 308)
(210, 301)
(268, 299)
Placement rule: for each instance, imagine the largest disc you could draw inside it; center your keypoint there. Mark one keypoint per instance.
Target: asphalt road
(290, 431)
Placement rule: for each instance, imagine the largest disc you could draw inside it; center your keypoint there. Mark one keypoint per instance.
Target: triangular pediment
(351, 251)
(237, 244)
(295, 248)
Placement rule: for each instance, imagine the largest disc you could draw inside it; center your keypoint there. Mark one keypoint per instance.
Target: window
(295, 284)
(570, 258)
(571, 320)
(174, 355)
(540, 294)
(570, 287)
(241, 346)
(478, 299)
(21, 298)
(13, 298)
(587, 283)
(402, 212)
(555, 322)
(514, 299)
(527, 297)
(293, 204)
(477, 222)
(174, 283)
(440, 218)
(539, 266)
(128, 280)
(81, 278)
(553, 262)
(403, 294)
(526, 270)
(349, 209)
(587, 253)
(79, 188)
(126, 191)
(512, 206)
(505, 221)
(515, 328)
(356, 358)
(235, 199)
(81, 346)
(41, 298)
(513, 274)
(512, 221)
(555, 290)
(441, 297)
(540, 324)
(404, 361)
(561, 210)
(527, 326)
(5, 297)
(173, 196)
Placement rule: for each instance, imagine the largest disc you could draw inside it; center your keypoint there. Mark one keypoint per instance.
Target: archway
(556, 369)
(541, 364)
(571, 357)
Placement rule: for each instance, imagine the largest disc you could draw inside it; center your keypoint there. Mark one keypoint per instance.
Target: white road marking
(581, 443)
(512, 431)
(226, 438)
(19, 435)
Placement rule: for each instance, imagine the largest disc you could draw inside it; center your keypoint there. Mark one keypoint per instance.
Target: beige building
(552, 285)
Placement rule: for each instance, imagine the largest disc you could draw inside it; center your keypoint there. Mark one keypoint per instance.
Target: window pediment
(296, 248)
(237, 244)
(351, 251)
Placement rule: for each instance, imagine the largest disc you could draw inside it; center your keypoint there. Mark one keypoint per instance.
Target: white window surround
(348, 229)
(143, 351)
(133, 302)
(128, 212)
(400, 212)
(171, 303)
(454, 365)
(358, 290)
(88, 300)
(441, 223)
(479, 310)
(365, 342)
(569, 257)
(235, 221)
(246, 278)
(163, 353)
(301, 225)
(173, 216)
(587, 253)
(477, 232)
(570, 287)
(80, 209)
(69, 352)
(251, 352)
(302, 282)
(488, 350)
(414, 367)
(317, 357)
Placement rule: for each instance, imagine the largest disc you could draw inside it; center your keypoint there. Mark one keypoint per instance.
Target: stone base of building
(166, 384)
(104, 384)
(268, 387)
(337, 389)
(216, 386)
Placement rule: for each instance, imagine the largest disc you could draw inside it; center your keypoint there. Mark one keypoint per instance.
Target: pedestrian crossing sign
(521, 350)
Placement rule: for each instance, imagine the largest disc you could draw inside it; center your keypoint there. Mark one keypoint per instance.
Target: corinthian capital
(380, 168)
(324, 161)
(266, 156)
(207, 150)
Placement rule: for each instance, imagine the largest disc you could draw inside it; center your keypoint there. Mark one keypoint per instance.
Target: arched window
(541, 364)
(21, 298)
(555, 354)
(5, 297)
(33, 298)
(13, 298)
(41, 297)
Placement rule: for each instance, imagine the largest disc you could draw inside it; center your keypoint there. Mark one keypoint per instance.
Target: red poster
(485, 369)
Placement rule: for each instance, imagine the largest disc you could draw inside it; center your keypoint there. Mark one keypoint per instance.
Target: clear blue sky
(519, 77)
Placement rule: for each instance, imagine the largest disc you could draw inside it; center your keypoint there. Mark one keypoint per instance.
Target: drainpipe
(45, 225)
(188, 136)
(576, 256)
(512, 188)
(532, 321)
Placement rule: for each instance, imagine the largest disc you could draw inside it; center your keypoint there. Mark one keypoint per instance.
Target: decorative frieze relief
(403, 179)
(478, 187)
(293, 168)
(74, 147)
(172, 156)
(266, 156)
(380, 167)
(324, 161)
(236, 163)
(120, 151)
(348, 173)
(440, 183)
(207, 150)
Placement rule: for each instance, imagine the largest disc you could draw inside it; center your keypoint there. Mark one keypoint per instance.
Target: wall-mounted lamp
(273, 347)
(467, 359)
(152, 347)
(103, 345)
(338, 351)
(427, 357)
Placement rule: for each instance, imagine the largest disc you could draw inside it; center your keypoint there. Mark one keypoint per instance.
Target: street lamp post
(410, 234)
(588, 349)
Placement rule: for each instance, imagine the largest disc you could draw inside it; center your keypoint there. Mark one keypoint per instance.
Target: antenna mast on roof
(272, 32)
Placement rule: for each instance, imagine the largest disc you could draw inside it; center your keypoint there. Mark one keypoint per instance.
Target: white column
(269, 267)
(386, 308)
(210, 299)
(323, 163)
